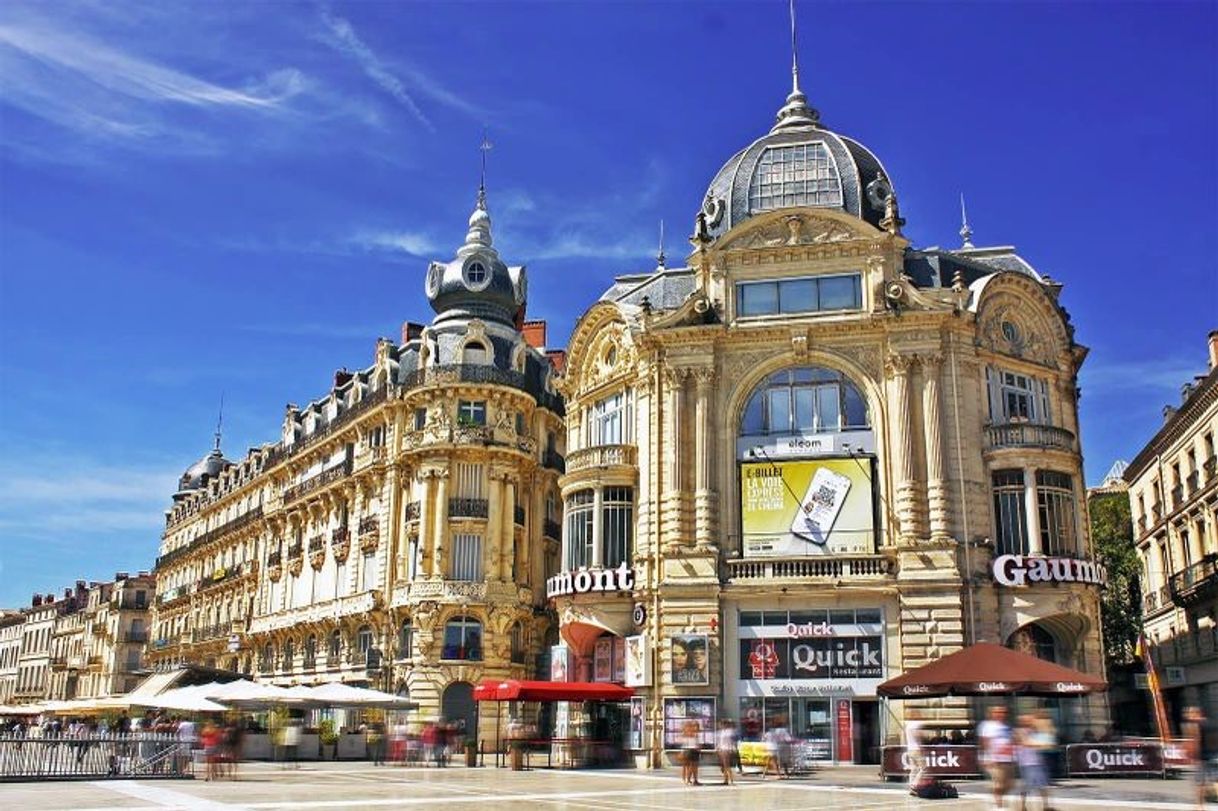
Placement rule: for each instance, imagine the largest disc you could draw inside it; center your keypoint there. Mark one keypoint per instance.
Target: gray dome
(797, 164)
(203, 471)
(477, 284)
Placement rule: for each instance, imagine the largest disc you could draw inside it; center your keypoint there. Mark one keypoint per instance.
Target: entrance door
(866, 730)
(458, 707)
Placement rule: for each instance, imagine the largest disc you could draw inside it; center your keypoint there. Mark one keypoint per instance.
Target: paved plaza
(359, 785)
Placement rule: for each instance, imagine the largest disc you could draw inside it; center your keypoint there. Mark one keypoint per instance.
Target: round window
(475, 274)
(1010, 331)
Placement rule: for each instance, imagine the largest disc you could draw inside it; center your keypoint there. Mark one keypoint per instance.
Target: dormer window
(475, 352)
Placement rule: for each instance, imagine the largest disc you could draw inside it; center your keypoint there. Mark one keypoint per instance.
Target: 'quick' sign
(583, 581)
(1021, 570)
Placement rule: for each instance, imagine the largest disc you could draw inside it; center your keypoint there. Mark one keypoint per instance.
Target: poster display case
(677, 711)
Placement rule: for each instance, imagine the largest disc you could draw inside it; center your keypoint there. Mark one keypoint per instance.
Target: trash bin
(516, 750)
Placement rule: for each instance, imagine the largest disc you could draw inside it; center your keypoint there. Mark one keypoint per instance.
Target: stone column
(899, 367)
(507, 549)
(1031, 510)
(426, 509)
(936, 478)
(674, 484)
(1196, 539)
(704, 439)
(495, 508)
(439, 535)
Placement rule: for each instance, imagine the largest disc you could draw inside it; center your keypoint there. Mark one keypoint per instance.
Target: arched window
(363, 643)
(266, 661)
(1034, 640)
(463, 639)
(405, 639)
(518, 644)
(475, 352)
(289, 655)
(310, 652)
(804, 400)
(335, 646)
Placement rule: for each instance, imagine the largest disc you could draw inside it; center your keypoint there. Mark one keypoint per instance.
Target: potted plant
(329, 739)
(471, 752)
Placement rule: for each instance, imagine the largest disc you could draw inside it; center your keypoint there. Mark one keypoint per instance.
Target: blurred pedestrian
(691, 749)
(997, 752)
(913, 749)
(1200, 734)
(725, 747)
(1031, 745)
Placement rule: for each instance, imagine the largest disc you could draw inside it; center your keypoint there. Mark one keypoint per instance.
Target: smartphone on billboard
(816, 515)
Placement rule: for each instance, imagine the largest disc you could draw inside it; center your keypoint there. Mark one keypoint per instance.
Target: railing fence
(139, 754)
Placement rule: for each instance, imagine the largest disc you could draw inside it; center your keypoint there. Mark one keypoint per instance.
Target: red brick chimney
(342, 377)
(535, 334)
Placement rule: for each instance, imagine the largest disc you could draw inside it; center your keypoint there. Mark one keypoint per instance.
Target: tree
(1112, 535)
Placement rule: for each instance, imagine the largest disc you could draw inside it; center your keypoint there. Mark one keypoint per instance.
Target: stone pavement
(350, 786)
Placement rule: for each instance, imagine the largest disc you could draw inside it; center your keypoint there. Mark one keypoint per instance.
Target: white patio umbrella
(188, 699)
(337, 694)
(245, 693)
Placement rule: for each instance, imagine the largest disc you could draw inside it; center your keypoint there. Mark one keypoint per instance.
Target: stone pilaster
(674, 528)
(704, 440)
(899, 369)
(936, 478)
(439, 530)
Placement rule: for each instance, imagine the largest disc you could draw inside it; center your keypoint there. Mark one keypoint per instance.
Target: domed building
(816, 456)
(398, 533)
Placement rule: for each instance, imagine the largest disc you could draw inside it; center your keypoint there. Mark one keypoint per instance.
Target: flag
(1144, 652)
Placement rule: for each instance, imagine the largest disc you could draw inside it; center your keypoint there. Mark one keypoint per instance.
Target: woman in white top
(725, 747)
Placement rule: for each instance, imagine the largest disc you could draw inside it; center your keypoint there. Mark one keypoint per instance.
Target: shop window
(471, 412)
(466, 561)
(579, 539)
(1055, 501)
(617, 525)
(463, 639)
(804, 400)
(1011, 524)
(1016, 397)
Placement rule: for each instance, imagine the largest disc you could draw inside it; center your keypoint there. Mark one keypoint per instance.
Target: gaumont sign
(1024, 570)
(1114, 758)
(945, 761)
(583, 581)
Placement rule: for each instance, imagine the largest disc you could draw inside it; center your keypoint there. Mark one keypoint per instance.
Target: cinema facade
(815, 456)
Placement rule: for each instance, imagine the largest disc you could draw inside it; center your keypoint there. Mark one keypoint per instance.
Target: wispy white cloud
(1165, 375)
(414, 243)
(366, 332)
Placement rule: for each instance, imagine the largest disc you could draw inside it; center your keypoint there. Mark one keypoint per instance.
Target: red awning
(986, 669)
(517, 690)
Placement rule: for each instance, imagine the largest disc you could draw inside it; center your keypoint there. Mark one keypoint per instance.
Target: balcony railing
(1196, 583)
(1142, 525)
(134, 636)
(820, 568)
(1193, 483)
(299, 491)
(296, 550)
(1155, 600)
(601, 456)
(211, 535)
(552, 529)
(340, 536)
(467, 508)
(1027, 435)
(1156, 513)
(554, 461)
(479, 374)
(274, 559)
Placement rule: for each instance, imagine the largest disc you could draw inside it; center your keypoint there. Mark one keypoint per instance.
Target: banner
(939, 761)
(807, 507)
(1114, 758)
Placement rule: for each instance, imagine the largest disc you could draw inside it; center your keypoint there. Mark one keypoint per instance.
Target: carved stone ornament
(368, 541)
(296, 566)
(796, 229)
(317, 559)
(866, 358)
(341, 551)
(274, 572)
(1007, 332)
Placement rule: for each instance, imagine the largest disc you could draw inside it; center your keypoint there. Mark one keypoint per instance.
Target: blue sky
(199, 198)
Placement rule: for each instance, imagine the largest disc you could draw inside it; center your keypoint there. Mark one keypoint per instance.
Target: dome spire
(479, 234)
(796, 112)
(660, 258)
(219, 426)
(966, 233)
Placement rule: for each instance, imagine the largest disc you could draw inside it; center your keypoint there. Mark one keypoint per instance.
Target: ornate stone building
(816, 456)
(397, 534)
(1173, 495)
(11, 624)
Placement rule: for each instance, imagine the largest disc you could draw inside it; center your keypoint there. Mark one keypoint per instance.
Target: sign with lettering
(583, 581)
(941, 761)
(1114, 758)
(1026, 570)
(819, 658)
(845, 730)
(807, 507)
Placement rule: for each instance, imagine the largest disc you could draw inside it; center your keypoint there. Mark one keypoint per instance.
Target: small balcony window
(463, 639)
(471, 412)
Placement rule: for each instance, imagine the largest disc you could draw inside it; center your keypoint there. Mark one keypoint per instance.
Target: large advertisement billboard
(791, 508)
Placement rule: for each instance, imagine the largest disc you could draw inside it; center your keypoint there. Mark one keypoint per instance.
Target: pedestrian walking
(913, 750)
(1031, 746)
(997, 753)
(725, 748)
(691, 749)
(1200, 736)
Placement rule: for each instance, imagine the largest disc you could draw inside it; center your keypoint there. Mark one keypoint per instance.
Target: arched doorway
(457, 707)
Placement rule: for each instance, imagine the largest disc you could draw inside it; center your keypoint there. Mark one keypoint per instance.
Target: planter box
(352, 746)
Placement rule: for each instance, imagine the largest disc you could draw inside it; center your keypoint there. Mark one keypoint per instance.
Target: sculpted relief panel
(794, 229)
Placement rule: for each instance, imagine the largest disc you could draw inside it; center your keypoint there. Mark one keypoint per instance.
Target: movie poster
(638, 661)
(602, 659)
(560, 663)
(690, 659)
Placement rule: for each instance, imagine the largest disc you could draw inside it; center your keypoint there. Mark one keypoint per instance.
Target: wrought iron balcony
(212, 534)
(554, 461)
(1195, 584)
(1156, 600)
(467, 508)
(1027, 435)
(602, 456)
(1211, 468)
(135, 636)
(299, 491)
(274, 559)
(296, 550)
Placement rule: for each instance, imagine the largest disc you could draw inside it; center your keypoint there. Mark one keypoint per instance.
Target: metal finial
(484, 147)
(220, 423)
(966, 233)
(660, 259)
(796, 112)
(794, 52)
